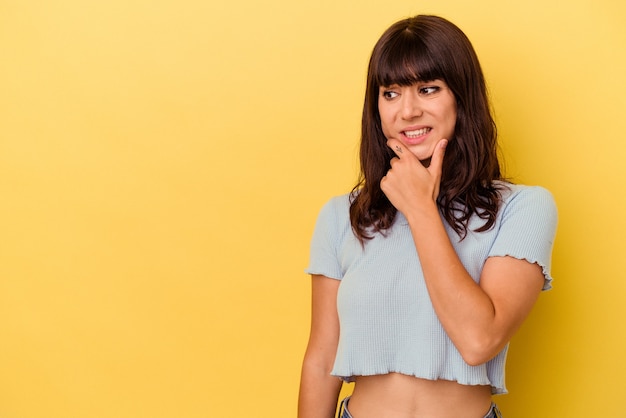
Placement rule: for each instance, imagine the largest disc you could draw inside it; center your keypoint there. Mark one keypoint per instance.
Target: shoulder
(331, 229)
(533, 202)
(340, 202)
(337, 207)
(334, 215)
(526, 226)
(521, 193)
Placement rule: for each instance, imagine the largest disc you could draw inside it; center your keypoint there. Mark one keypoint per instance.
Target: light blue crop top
(387, 322)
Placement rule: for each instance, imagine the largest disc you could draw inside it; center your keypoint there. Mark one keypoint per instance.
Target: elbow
(475, 359)
(480, 351)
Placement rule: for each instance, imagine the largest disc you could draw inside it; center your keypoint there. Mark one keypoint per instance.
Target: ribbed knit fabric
(387, 321)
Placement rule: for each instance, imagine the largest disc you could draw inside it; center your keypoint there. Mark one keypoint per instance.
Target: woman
(422, 274)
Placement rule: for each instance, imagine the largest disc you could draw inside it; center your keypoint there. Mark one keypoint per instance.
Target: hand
(408, 184)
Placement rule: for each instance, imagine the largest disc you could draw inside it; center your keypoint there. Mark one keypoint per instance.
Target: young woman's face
(418, 115)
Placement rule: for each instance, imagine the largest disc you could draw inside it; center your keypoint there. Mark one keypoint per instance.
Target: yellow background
(162, 163)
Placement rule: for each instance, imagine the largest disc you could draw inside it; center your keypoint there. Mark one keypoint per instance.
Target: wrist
(424, 214)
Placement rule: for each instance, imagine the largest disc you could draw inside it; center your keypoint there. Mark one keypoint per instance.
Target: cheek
(451, 120)
(448, 110)
(385, 122)
(386, 132)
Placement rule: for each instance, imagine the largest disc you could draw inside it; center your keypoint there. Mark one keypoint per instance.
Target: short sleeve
(528, 228)
(324, 257)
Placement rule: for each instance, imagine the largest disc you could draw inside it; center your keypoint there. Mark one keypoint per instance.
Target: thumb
(436, 162)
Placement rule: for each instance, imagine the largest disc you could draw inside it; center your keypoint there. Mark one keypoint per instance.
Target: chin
(424, 156)
(426, 162)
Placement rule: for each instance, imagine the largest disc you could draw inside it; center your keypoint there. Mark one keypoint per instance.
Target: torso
(387, 321)
(401, 396)
(390, 325)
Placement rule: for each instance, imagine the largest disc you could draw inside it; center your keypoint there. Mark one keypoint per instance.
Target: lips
(416, 133)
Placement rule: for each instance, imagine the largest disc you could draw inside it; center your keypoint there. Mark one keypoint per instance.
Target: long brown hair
(428, 48)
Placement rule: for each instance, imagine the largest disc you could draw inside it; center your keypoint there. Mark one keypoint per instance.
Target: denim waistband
(494, 412)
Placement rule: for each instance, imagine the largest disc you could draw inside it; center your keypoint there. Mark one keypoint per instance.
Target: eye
(429, 90)
(389, 94)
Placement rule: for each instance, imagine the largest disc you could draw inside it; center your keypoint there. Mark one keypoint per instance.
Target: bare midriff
(401, 396)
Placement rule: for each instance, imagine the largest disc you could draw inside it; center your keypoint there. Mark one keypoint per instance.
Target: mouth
(416, 133)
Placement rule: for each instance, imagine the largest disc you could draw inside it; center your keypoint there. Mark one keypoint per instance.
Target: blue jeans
(494, 412)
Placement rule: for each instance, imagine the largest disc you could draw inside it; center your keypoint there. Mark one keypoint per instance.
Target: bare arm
(479, 318)
(318, 389)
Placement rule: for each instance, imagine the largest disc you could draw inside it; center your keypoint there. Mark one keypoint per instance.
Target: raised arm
(479, 318)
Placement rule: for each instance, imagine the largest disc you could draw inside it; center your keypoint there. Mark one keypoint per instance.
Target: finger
(382, 183)
(396, 146)
(436, 162)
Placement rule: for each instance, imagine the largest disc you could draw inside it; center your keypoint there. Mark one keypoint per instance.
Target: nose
(411, 107)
